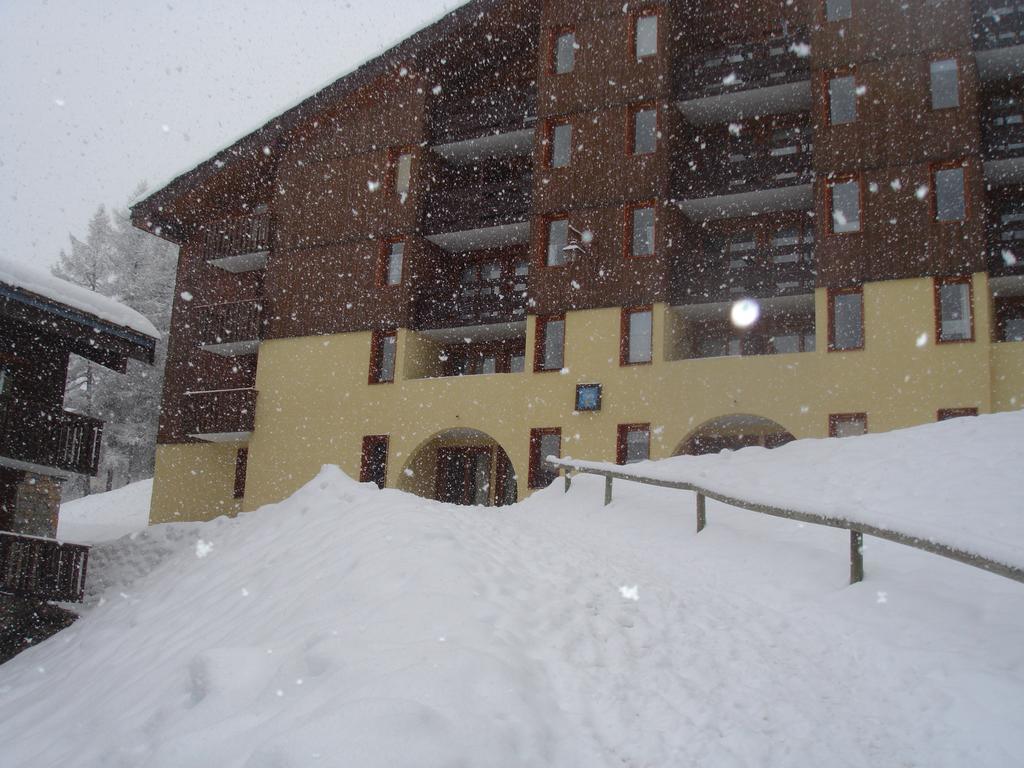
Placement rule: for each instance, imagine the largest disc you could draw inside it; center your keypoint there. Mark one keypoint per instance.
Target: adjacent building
(603, 229)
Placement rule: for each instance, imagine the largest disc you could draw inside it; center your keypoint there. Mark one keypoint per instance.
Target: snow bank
(953, 482)
(105, 516)
(32, 280)
(357, 627)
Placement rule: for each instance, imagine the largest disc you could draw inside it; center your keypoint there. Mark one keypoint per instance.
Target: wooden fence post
(856, 556)
(701, 512)
(607, 490)
(568, 480)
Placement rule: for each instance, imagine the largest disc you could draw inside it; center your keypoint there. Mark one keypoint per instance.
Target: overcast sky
(99, 95)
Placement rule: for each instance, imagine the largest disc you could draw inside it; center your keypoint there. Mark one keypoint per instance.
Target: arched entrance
(461, 466)
(732, 432)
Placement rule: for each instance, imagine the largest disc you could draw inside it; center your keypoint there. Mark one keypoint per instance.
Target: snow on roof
(45, 285)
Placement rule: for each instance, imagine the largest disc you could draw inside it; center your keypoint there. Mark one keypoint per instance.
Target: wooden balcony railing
(998, 24)
(456, 203)
(480, 302)
(1006, 238)
(230, 322)
(453, 120)
(744, 66)
(42, 568)
(237, 235)
(40, 433)
(223, 411)
(1002, 125)
(766, 272)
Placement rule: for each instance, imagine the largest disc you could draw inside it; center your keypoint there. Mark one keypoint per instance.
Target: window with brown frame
(544, 442)
(954, 310)
(636, 336)
(945, 414)
(383, 353)
(392, 257)
(402, 174)
(633, 443)
(557, 238)
(847, 424)
(645, 33)
(944, 77)
(642, 129)
(949, 196)
(563, 51)
(373, 464)
(838, 10)
(549, 344)
(241, 466)
(559, 153)
(640, 230)
(841, 97)
(843, 200)
(845, 319)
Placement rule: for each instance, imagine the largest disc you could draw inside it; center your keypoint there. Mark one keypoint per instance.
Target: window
(842, 100)
(845, 319)
(635, 343)
(847, 424)
(588, 397)
(645, 35)
(391, 263)
(560, 148)
(373, 467)
(644, 129)
(383, 345)
(945, 84)
(641, 233)
(949, 203)
(241, 465)
(633, 443)
(564, 53)
(558, 238)
(543, 443)
(945, 414)
(549, 350)
(403, 175)
(844, 200)
(953, 300)
(837, 10)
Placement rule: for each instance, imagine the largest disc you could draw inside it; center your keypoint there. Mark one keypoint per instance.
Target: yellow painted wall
(315, 404)
(194, 481)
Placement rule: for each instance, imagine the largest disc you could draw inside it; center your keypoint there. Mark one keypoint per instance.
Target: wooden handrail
(857, 529)
(43, 568)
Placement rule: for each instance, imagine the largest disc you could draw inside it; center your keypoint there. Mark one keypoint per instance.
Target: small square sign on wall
(588, 397)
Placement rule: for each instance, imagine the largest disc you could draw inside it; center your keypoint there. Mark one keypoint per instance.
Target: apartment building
(608, 230)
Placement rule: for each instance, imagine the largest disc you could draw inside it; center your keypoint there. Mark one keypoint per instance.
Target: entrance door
(464, 475)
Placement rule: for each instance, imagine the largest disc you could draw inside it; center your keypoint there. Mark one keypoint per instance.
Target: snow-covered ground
(105, 516)
(353, 627)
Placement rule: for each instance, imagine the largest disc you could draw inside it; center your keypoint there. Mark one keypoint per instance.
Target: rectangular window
(558, 238)
(633, 443)
(383, 346)
(847, 424)
(645, 35)
(844, 200)
(561, 145)
(953, 309)
(945, 84)
(403, 175)
(842, 100)
(641, 220)
(637, 334)
(564, 53)
(241, 466)
(549, 351)
(543, 443)
(644, 128)
(837, 10)
(373, 467)
(950, 202)
(394, 253)
(846, 319)
(945, 414)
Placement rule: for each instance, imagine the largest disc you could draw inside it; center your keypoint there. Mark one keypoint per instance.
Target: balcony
(231, 328)
(747, 79)
(496, 122)
(488, 292)
(1002, 133)
(223, 415)
(238, 244)
(997, 24)
(475, 350)
(42, 568)
(769, 271)
(40, 434)
(1006, 236)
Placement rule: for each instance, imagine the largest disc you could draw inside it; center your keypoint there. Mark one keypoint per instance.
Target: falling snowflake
(203, 548)
(630, 593)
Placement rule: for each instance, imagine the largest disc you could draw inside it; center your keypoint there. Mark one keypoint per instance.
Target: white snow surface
(42, 283)
(348, 626)
(953, 482)
(105, 516)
